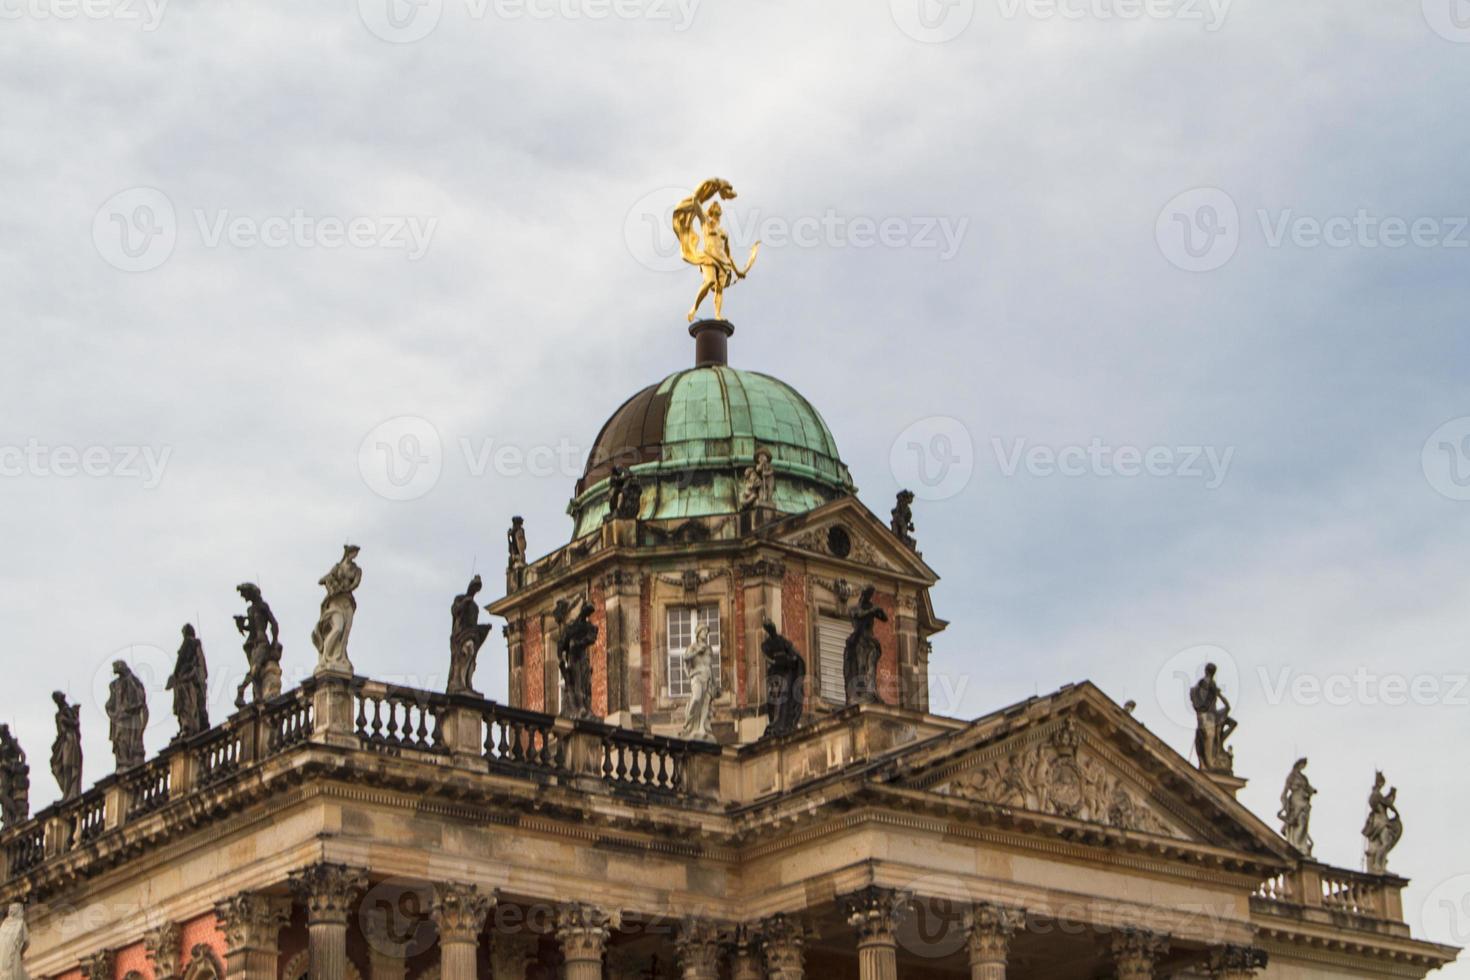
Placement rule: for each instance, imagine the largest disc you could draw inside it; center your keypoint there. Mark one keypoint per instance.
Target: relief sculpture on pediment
(1055, 777)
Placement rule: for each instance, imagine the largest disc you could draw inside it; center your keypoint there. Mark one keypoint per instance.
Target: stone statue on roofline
(339, 607)
(624, 495)
(190, 684)
(1213, 725)
(515, 543)
(15, 780)
(1296, 808)
(262, 647)
(902, 521)
(758, 482)
(127, 714)
(467, 634)
(1382, 832)
(66, 751)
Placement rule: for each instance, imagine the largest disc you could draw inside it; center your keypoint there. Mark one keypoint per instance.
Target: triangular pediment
(1076, 756)
(846, 531)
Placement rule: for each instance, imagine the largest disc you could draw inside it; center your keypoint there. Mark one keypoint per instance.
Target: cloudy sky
(1160, 308)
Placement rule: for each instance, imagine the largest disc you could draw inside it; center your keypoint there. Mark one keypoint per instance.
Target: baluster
(361, 715)
(504, 748)
(423, 729)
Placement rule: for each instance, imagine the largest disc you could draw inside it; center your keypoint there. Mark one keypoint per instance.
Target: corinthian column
(990, 930)
(459, 911)
(1135, 951)
(783, 942)
(583, 931)
(698, 947)
(165, 950)
(329, 891)
(1236, 962)
(252, 926)
(874, 914)
(745, 955)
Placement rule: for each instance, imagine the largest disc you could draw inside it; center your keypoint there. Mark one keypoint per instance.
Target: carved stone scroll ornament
(1236, 962)
(1136, 951)
(1055, 777)
(783, 943)
(164, 946)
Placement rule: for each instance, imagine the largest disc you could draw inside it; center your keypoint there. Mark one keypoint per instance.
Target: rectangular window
(832, 636)
(682, 623)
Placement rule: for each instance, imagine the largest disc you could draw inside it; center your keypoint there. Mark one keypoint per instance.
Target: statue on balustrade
(334, 626)
(1213, 725)
(190, 684)
(1296, 808)
(127, 713)
(758, 482)
(700, 669)
(1384, 827)
(15, 780)
(467, 634)
(515, 542)
(861, 654)
(574, 657)
(785, 683)
(625, 494)
(66, 751)
(14, 938)
(902, 522)
(262, 647)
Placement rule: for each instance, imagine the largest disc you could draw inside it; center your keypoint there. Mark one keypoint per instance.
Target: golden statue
(713, 258)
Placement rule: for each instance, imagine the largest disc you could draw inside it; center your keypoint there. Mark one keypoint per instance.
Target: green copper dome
(691, 436)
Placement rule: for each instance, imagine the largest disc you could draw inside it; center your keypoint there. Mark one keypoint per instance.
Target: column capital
(251, 921)
(698, 948)
(1236, 962)
(875, 913)
(783, 942)
(459, 911)
(989, 930)
(328, 890)
(164, 946)
(1135, 951)
(98, 966)
(583, 931)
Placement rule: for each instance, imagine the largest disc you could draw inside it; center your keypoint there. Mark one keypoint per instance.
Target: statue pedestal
(331, 706)
(1231, 784)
